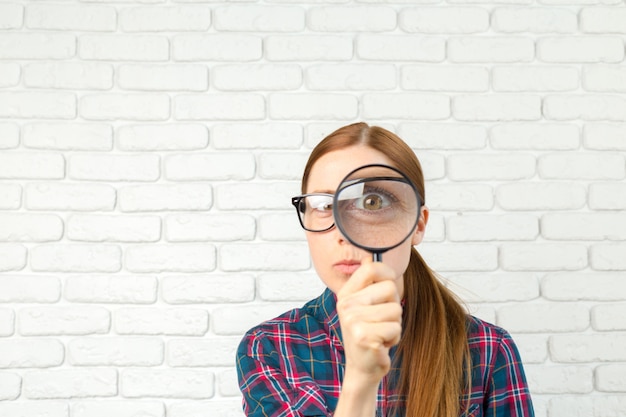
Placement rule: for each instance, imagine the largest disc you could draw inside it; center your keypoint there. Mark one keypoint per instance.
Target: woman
(385, 338)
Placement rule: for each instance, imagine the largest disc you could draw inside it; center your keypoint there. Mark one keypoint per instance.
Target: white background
(149, 149)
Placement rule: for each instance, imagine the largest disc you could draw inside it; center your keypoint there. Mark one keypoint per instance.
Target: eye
(320, 203)
(373, 201)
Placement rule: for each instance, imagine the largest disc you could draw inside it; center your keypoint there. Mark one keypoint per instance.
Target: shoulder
(492, 344)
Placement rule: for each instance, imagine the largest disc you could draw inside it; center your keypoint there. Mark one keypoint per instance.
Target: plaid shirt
(292, 366)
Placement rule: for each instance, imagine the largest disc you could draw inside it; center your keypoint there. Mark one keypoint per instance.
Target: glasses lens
(316, 212)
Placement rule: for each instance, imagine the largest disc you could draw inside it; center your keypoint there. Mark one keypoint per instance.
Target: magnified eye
(373, 201)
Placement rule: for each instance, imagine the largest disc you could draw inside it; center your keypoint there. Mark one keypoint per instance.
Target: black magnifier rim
(402, 178)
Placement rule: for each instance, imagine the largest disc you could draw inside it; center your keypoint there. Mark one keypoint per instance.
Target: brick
(31, 353)
(29, 289)
(209, 227)
(10, 73)
(210, 289)
(252, 18)
(272, 77)
(604, 136)
(268, 135)
(10, 196)
(165, 197)
(33, 105)
(500, 107)
(213, 351)
(433, 165)
(560, 379)
(69, 197)
(325, 106)
(227, 383)
(162, 321)
(436, 231)
(115, 351)
(15, 46)
(580, 49)
(35, 409)
(609, 317)
(166, 137)
(45, 321)
(103, 228)
(166, 383)
(70, 383)
(217, 47)
(31, 165)
(280, 227)
(610, 378)
(11, 16)
(108, 167)
(492, 49)
(68, 136)
(534, 20)
(518, 79)
(500, 287)
(467, 257)
(507, 167)
(584, 226)
(579, 406)
(111, 289)
(7, 322)
(12, 257)
(595, 347)
(219, 107)
(585, 107)
(405, 106)
(401, 48)
(454, 197)
(445, 78)
(10, 386)
(608, 257)
(537, 136)
(543, 257)
(256, 196)
(492, 227)
(545, 195)
(118, 408)
(115, 106)
(281, 166)
(595, 286)
(533, 348)
(289, 286)
(603, 20)
(369, 77)
(124, 47)
(264, 257)
(180, 77)
(445, 136)
(607, 196)
(214, 166)
(180, 18)
(9, 135)
(215, 407)
(21, 227)
(590, 166)
(175, 258)
(308, 48)
(445, 20)
(68, 17)
(236, 320)
(351, 19)
(75, 258)
(544, 318)
(604, 78)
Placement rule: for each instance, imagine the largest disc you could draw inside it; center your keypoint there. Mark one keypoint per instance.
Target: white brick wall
(149, 148)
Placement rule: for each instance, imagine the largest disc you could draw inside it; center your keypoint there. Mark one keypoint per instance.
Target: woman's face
(334, 258)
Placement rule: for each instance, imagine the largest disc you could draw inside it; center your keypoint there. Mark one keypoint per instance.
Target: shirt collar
(328, 310)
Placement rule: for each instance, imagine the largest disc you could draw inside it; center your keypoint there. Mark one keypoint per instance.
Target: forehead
(328, 171)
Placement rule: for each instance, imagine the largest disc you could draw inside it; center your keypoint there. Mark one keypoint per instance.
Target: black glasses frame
(297, 201)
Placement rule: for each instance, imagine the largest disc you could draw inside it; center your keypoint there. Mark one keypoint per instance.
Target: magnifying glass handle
(377, 257)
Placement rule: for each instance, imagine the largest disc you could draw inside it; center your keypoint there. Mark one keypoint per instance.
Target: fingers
(369, 273)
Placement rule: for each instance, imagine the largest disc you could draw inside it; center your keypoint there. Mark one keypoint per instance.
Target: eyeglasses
(315, 211)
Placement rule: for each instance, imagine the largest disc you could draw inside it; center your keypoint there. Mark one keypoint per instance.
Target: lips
(347, 267)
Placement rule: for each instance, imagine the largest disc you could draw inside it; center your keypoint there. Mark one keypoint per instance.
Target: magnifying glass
(376, 207)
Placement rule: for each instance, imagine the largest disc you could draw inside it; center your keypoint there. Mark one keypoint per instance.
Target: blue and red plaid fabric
(292, 366)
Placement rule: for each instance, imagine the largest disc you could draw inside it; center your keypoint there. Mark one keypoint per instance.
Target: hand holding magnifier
(376, 207)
